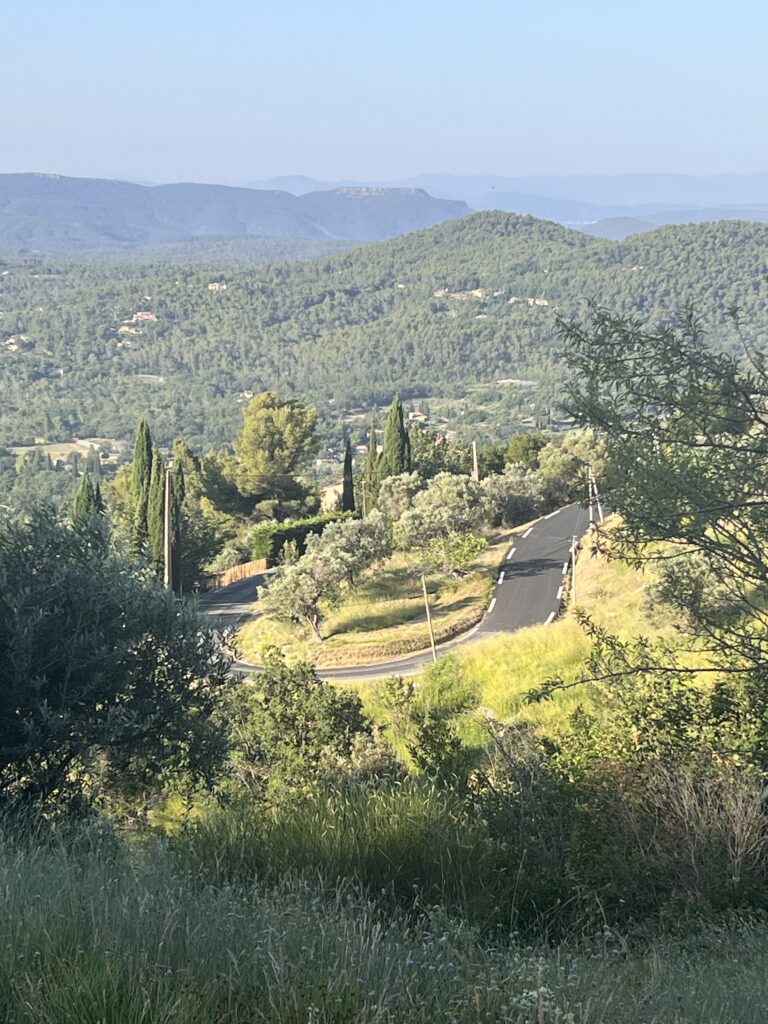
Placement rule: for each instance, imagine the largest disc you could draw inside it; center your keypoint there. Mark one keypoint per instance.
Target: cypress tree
(348, 487)
(83, 502)
(140, 479)
(178, 493)
(87, 502)
(371, 466)
(396, 453)
(155, 510)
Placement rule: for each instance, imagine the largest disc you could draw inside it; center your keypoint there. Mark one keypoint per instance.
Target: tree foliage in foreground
(686, 433)
(102, 673)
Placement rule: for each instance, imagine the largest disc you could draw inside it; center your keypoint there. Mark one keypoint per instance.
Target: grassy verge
(508, 666)
(384, 617)
(505, 667)
(94, 937)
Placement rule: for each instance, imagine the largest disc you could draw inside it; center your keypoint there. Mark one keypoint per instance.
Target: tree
(449, 504)
(141, 472)
(87, 502)
(103, 674)
(348, 486)
(686, 435)
(514, 496)
(564, 462)
(396, 449)
(396, 495)
(525, 448)
(278, 438)
(286, 724)
(156, 511)
(178, 492)
(371, 467)
(452, 554)
(303, 591)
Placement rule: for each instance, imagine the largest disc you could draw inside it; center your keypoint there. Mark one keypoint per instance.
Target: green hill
(471, 300)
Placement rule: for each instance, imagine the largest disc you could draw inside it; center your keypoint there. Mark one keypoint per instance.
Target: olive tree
(304, 590)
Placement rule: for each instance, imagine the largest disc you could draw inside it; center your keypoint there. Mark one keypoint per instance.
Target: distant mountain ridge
(604, 205)
(59, 214)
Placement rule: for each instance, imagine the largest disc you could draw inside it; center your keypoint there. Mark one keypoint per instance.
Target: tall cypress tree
(178, 494)
(396, 452)
(98, 501)
(87, 502)
(83, 502)
(156, 509)
(371, 466)
(140, 479)
(348, 487)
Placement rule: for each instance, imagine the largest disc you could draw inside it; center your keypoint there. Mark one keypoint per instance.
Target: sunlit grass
(384, 617)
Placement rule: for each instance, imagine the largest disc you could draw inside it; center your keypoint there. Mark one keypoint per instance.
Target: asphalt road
(527, 591)
(226, 607)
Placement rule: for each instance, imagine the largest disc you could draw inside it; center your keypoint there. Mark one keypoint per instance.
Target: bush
(104, 675)
(267, 539)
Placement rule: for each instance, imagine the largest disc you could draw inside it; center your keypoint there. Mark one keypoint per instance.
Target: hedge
(267, 539)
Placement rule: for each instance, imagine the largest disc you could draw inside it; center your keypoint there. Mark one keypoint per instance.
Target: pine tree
(98, 501)
(140, 479)
(396, 453)
(348, 486)
(155, 510)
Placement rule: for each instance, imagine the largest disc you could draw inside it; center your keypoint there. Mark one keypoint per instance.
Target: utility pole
(589, 496)
(429, 618)
(365, 509)
(475, 464)
(597, 496)
(168, 533)
(573, 571)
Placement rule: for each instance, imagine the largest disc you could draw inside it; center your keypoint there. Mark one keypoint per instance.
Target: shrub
(267, 539)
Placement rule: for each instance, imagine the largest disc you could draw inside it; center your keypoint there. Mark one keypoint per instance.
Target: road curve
(527, 591)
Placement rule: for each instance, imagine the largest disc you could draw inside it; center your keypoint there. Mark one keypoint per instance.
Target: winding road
(528, 590)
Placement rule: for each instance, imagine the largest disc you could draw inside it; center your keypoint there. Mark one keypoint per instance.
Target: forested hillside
(86, 347)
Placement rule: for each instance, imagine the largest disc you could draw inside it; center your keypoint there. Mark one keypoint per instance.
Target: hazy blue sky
(236, 90)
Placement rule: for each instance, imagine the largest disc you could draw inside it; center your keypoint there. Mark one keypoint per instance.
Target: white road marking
(550, 617)
(556, 512)
(529, 530)
(565, 568)
(560, 594)
(501, 578)
(511, 552)
(490, 606)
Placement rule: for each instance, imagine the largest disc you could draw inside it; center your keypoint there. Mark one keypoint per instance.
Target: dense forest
(87, 347)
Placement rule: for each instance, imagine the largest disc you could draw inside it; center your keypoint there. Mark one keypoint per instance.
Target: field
(384, 617)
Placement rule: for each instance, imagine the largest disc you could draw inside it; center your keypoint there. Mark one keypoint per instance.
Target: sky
(235, 91)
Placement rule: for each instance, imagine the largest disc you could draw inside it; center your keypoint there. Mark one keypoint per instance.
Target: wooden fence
(237, 572)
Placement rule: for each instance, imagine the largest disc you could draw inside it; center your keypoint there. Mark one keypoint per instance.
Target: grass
(505, 667)
(384, 617)
(97, 935)
(508, 666)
